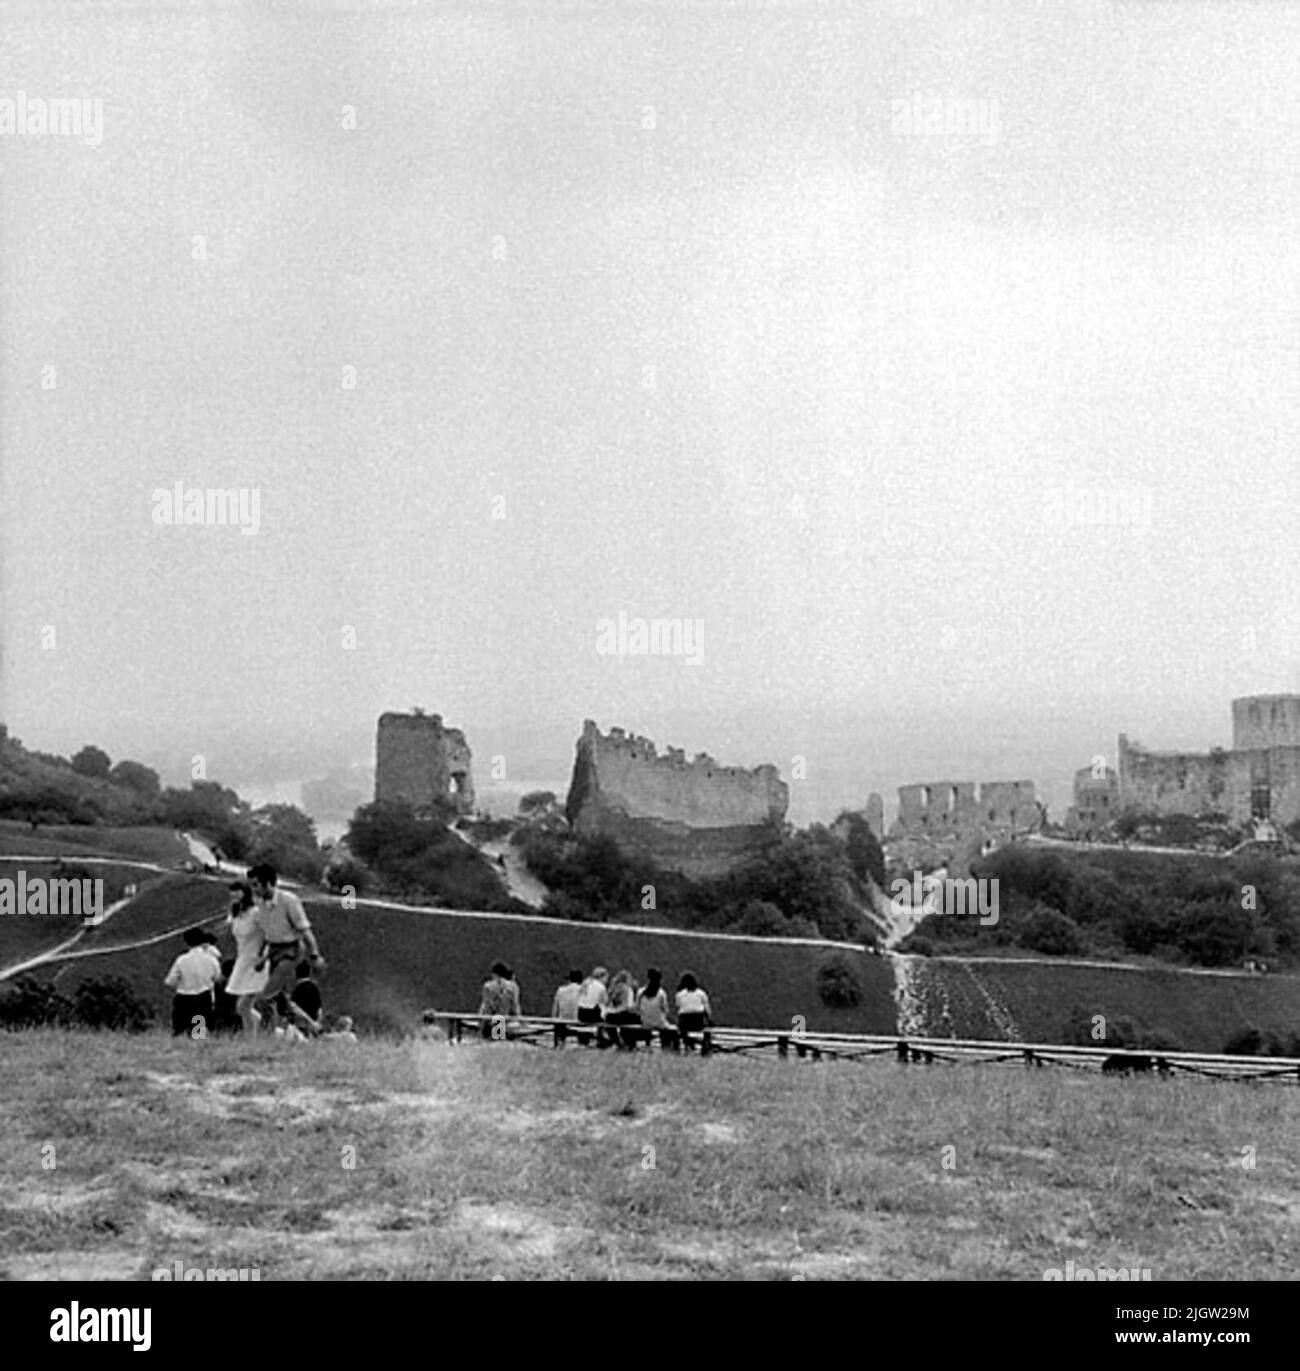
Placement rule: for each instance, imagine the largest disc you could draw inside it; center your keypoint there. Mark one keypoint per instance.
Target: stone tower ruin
(420, 761)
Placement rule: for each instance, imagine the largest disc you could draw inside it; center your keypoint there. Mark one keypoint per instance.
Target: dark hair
(245, 894)
(303, 970)
(501, 969)
(576, 977)
(263, 872)
(653, 980)
(194, 937)
(687, 981)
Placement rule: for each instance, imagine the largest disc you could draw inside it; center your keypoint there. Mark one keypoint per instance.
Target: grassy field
(384, 1160)
(1031, 1002)
(23, 935)
(143, 844)
(386, 965)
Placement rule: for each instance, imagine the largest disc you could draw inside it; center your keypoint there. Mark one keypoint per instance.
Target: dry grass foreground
(381, 1160)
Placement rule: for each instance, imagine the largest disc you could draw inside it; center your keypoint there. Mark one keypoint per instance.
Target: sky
(937, 364)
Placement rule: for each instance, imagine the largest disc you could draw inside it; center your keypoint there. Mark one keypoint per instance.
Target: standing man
(285, 927)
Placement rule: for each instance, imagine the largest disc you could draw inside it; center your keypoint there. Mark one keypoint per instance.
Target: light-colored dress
(244, 980)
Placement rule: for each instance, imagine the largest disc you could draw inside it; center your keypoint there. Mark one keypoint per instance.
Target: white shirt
(593, 994)
(282, 917)
(692, 1002)
(193, 972)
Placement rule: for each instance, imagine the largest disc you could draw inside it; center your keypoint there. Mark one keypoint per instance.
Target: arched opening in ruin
(457, 784)
(952, 799)
(925, 796)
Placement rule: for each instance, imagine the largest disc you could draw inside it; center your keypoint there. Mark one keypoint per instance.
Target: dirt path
(518, 880)
(63, 951)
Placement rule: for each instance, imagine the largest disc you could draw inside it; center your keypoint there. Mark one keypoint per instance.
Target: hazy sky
(969, 445)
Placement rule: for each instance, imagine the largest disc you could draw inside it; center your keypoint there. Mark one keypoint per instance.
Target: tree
(536, 801)
(142, 779)
(93, 762)
(286, 837)
(1051, 933)
(865, 857)
(215, 810)
(762, 920)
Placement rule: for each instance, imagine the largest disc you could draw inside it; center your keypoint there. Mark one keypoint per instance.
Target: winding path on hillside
(514, 874)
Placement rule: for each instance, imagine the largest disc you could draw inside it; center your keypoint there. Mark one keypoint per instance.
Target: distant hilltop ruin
(696, 817)
(961, 809)
(420, 761)
(1257, 778)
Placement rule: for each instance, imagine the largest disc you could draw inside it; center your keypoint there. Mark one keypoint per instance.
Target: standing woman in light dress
(246, 981)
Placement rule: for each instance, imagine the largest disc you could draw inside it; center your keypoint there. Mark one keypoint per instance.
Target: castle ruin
(695, 817)
(1257, 778)
(420, 761)
(960, 809)
(1096, 802)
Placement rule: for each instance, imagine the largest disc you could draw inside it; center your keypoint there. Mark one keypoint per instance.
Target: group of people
(269, 986)
(618, 1004)
(615, 1005)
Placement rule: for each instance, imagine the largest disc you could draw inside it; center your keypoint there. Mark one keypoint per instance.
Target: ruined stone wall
(695, 816)
(937, 807)
(1008, 805)
(1096, 801)
(1189, 783)
(1265, 721)
(418, 760)
(960, 808)
(1284, 784)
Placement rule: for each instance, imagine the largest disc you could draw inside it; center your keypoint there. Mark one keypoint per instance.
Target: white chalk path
(518, 880)
(67, 950)
(64, 951)
(909, 1010)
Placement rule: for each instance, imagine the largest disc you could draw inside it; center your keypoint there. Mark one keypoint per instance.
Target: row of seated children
(618, 1007)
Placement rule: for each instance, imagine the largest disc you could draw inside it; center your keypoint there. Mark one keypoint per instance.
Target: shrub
(348, 872)
(111, 1003)
(29, 1003)
(838, 983)
(1052, 934)
(762, 920)
(1245, 1042)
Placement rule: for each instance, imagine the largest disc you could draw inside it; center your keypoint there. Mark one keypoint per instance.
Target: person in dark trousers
(193, 977)
(694, 1012)
(305, 998)
(652, 1006)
